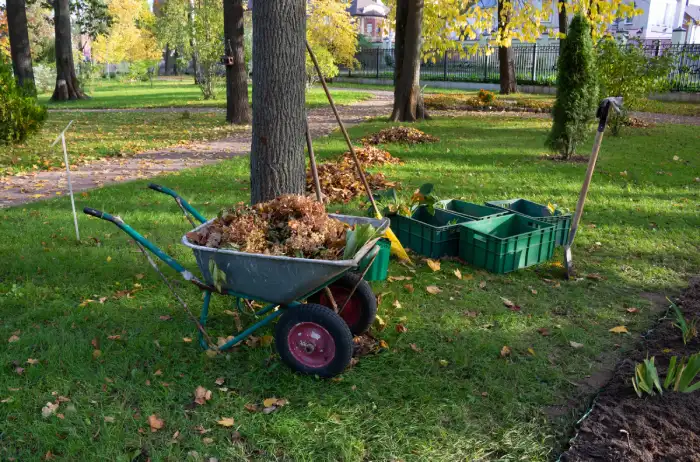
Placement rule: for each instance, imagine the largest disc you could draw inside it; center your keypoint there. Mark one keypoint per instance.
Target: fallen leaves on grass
(415, 348)
(511, 306)
(187, 339)
(339, 181)
(272, 404)
(575, 344)
(220, 381)
(399, 278)
(108, 419)
(482, 285)
(632, 310)
(266, 340)
(434, 290)
(49, 409)
(433, 264)
(114, 337)
(531, 351)
(409, 288)
(505, 351)
(544, 332)
(155, 423)
(594, 277)
(226, 422)
(32, 361)
(13, 339)
(250, 407)
(401, 329)
(619, 330)
(379, 323)
(408, 135)
(458, 274)
(443, 363)
(202, 395)
(165, 317)
(471, 314)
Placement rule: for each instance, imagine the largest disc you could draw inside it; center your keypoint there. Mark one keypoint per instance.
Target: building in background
(371, 17)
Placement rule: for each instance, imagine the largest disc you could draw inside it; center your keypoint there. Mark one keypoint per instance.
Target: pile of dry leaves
(289, 225)
(339, 180)
(399, 135)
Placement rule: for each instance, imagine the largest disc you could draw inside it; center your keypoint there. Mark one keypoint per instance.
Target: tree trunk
(279, 118)
(237, 108)
(505, 54)
(563, 17)
(19, 44)
(193, 45)
(67, 86)
(176, 55)
(408, 103)
(166, 59)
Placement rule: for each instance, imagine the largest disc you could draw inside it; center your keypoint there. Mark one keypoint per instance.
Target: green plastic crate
(539, 212)
(505, 244)
(473, 211)
(380, 267)
(434, 236)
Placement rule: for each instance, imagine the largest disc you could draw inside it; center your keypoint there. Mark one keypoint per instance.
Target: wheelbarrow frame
(269, 309)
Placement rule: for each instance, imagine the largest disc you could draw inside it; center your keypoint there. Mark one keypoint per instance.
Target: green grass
(400, 404)
(649, 105)
(101, 134)
(174, 93)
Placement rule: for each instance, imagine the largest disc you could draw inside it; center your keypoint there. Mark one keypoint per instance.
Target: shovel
(602, 115)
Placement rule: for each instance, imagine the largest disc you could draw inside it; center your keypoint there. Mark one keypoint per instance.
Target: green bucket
(380, 267)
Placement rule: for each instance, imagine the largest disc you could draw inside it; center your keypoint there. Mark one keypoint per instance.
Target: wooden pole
(342, 129)
(312, 162)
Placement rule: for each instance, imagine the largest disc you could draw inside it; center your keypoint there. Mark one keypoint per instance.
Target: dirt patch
(624, 427)
(575, 159)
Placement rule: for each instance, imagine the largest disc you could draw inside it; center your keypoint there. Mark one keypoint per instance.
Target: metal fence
(534, 65)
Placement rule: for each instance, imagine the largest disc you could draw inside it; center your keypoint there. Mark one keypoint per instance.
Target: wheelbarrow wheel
(312, 339)
(360, 310)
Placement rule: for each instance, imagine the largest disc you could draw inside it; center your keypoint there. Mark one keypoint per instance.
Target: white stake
(62, 136)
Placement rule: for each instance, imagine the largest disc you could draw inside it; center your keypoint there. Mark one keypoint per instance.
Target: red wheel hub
(352, 311)
(311, 344)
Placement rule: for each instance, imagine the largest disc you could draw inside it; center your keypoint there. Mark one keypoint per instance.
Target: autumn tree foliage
(4, 36)
(131, 36)
(577, 89)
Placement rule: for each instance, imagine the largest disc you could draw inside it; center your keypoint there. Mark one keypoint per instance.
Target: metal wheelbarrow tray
(312, 337)
(278, 279)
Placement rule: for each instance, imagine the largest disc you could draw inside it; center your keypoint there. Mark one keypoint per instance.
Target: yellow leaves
(505, 351)
(619, 330)
(109, 259)
(155, 423)
(397, 304)
(379, 323)
(433, 264)
(434, 290)
(443, 362)
(226, 422)
(266, 340)
(458, 274)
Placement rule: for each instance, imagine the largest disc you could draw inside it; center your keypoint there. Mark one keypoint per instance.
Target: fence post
(534, 63)
(486, 66)
(444, 67)
(378, 50)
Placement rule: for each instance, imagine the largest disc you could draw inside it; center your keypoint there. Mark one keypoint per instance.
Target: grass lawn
(99, 134)
(453, 397)
(174, 93)
(649, 105)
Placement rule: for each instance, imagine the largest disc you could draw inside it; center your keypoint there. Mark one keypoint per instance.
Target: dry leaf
(155, 423)
(619, 330)
(471, 314)
(531, 351)
(207, 440)
(109, 259)
(266, 340)
(13, 339)
(383, 344)
(409, 288)
(96, 354)
(397, 303)
(511, 306)
(158, 373)
(401, 329)
(505, 351)
(379, 324)
(226, 422)
(164, 318)
(433, 264)
(398, 278)
(202, 395)
(433, 290)
(32, 361)
(138, 276)
(482, 284)
(443, 362)
(458, 273)
(187, 339)
(220, 381)
(114, 337)
(543, 331)
(533, 291)
(250, 407)
(19, 370)
(594, 276)
(415, 348)
(633, 310)
(6, 400)
(49, 409)
(211, 353)
(109, 419)
(575, 344)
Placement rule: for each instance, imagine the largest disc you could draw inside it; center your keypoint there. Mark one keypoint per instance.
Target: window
(668, 15)
(369, 28)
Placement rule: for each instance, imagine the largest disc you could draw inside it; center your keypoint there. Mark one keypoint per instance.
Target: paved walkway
(16, 190)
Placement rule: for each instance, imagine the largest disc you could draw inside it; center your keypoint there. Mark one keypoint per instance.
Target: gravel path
(16, 190)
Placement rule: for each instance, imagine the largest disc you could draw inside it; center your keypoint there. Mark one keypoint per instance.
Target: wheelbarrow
(320, 304)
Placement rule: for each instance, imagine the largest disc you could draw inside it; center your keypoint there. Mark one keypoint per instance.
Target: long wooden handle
(312, 162)
(586, 183)
(342, 129)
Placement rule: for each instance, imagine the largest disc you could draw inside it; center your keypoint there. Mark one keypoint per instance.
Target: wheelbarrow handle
(141, 240)
(180, 201)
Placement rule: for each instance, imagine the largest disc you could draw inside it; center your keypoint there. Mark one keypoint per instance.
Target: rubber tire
(329, 320)
(368, 301)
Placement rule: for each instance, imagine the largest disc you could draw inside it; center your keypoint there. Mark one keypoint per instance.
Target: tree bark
(408, 103)
(505, 54)
(237, 108)
(19, 44)
(277, 163)
(67, 86)
(193, 44)
(563, 17)
(166, 58)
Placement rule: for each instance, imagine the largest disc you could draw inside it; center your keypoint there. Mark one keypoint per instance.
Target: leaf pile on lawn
(289, 225)
(399, 135)
(339, 180)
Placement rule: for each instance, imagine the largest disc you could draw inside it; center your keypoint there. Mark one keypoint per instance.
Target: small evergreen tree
(577, 89)
(20, 114)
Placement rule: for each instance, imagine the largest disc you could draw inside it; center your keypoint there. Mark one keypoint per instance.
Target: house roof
(693, 11)
(368, 8)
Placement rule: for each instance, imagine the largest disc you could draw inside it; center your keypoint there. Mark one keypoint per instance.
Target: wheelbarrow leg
(203, 318)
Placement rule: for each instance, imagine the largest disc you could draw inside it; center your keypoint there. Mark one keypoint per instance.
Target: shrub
(486, 96)
(625, 70)
(20, 114)
(44, 78)
(577, 89)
